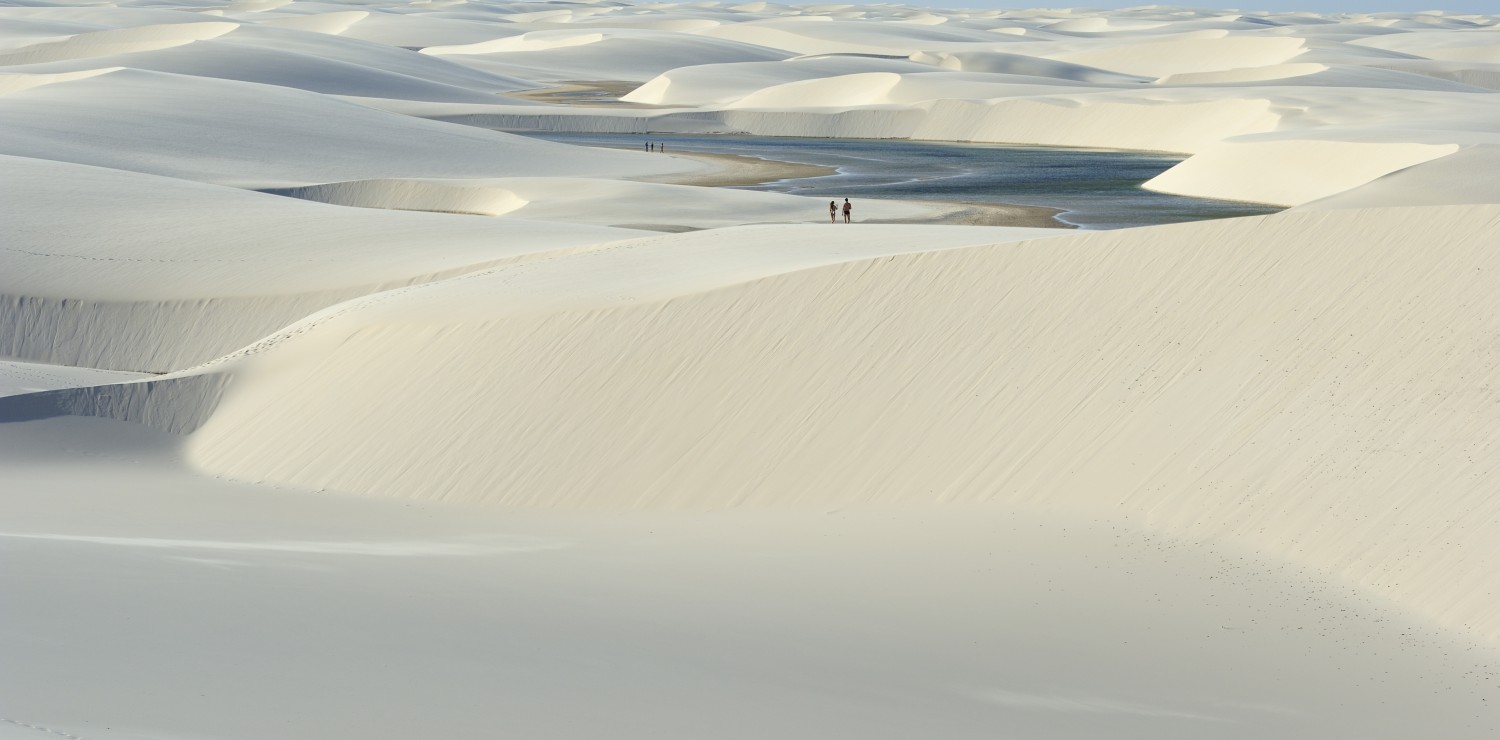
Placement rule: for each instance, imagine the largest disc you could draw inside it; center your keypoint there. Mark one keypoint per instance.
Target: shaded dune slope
(1313, 384)
(1310, 384)
(239, 133)
(125, 271)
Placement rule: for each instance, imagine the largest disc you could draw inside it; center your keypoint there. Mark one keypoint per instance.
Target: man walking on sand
(847, 210)
(833, 212)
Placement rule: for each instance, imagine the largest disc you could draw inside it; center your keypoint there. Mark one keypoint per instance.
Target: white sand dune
(1195, 51)
(17, 378)
(582, 54)
(797, 36)
(138, 121)
(721, 83)
(1476, 74)
(1188, 82)
(274, 53)
(866, 88)
(125, 271)
(421, 30)
(1221, 420)
(458, 621)
(536, 41)
(287, 69)
(116, 41)
(1241, 75)
(1109, 121)
(1016, 57)
(94, 278)
(1339, 351)
(717, 258)
(1323, 75)
(886, 88)
(461, 196)
(444, 436)
(1319, 168)
(20, 32)
(1422, 106)
(999, 62)
(1049, 114)
(13, 82)
(335, 23)
(1467, 176)
(596, 201)
(1475, 46)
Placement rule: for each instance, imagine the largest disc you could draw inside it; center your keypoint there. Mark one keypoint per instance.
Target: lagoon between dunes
(439, 369)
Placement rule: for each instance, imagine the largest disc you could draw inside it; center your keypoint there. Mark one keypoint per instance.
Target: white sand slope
(1466, 176)
(1149, 78)
(463, 621)
(11, 83)
(1178, 397)
(183, 401)
(94, 277)
(309, 61)
(444, 435)
(116, 41)
(17, 378)
(1193, 51)
(596, 201)
(582, 54)
(176, 125)
(1315, 168)
(120, 270)
(1269, 383)
(1154, 79)
(715, 83)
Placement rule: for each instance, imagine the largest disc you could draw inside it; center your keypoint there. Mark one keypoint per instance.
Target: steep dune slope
(604, 54)
(300, 59)
(1301, 383)
(252, 135)
(126, 271)
(325, 466)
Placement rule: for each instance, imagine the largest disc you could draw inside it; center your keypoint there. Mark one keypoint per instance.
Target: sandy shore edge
(735, 170)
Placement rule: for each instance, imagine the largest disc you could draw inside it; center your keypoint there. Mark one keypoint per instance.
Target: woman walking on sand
(847, 210)
(833, 212)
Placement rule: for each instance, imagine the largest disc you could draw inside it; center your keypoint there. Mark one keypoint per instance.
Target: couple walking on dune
(833, 211)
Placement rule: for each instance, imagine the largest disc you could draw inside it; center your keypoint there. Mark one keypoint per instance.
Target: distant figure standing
(848, 209)
(833, 212)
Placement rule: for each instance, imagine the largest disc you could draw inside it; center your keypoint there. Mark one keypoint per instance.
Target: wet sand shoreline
(737, 170)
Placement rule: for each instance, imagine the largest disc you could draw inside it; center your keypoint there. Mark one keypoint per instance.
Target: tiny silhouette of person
(848, 209)
(833, 212)
(647, 146)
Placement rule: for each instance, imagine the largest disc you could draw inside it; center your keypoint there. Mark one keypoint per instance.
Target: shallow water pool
(1096, 189)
